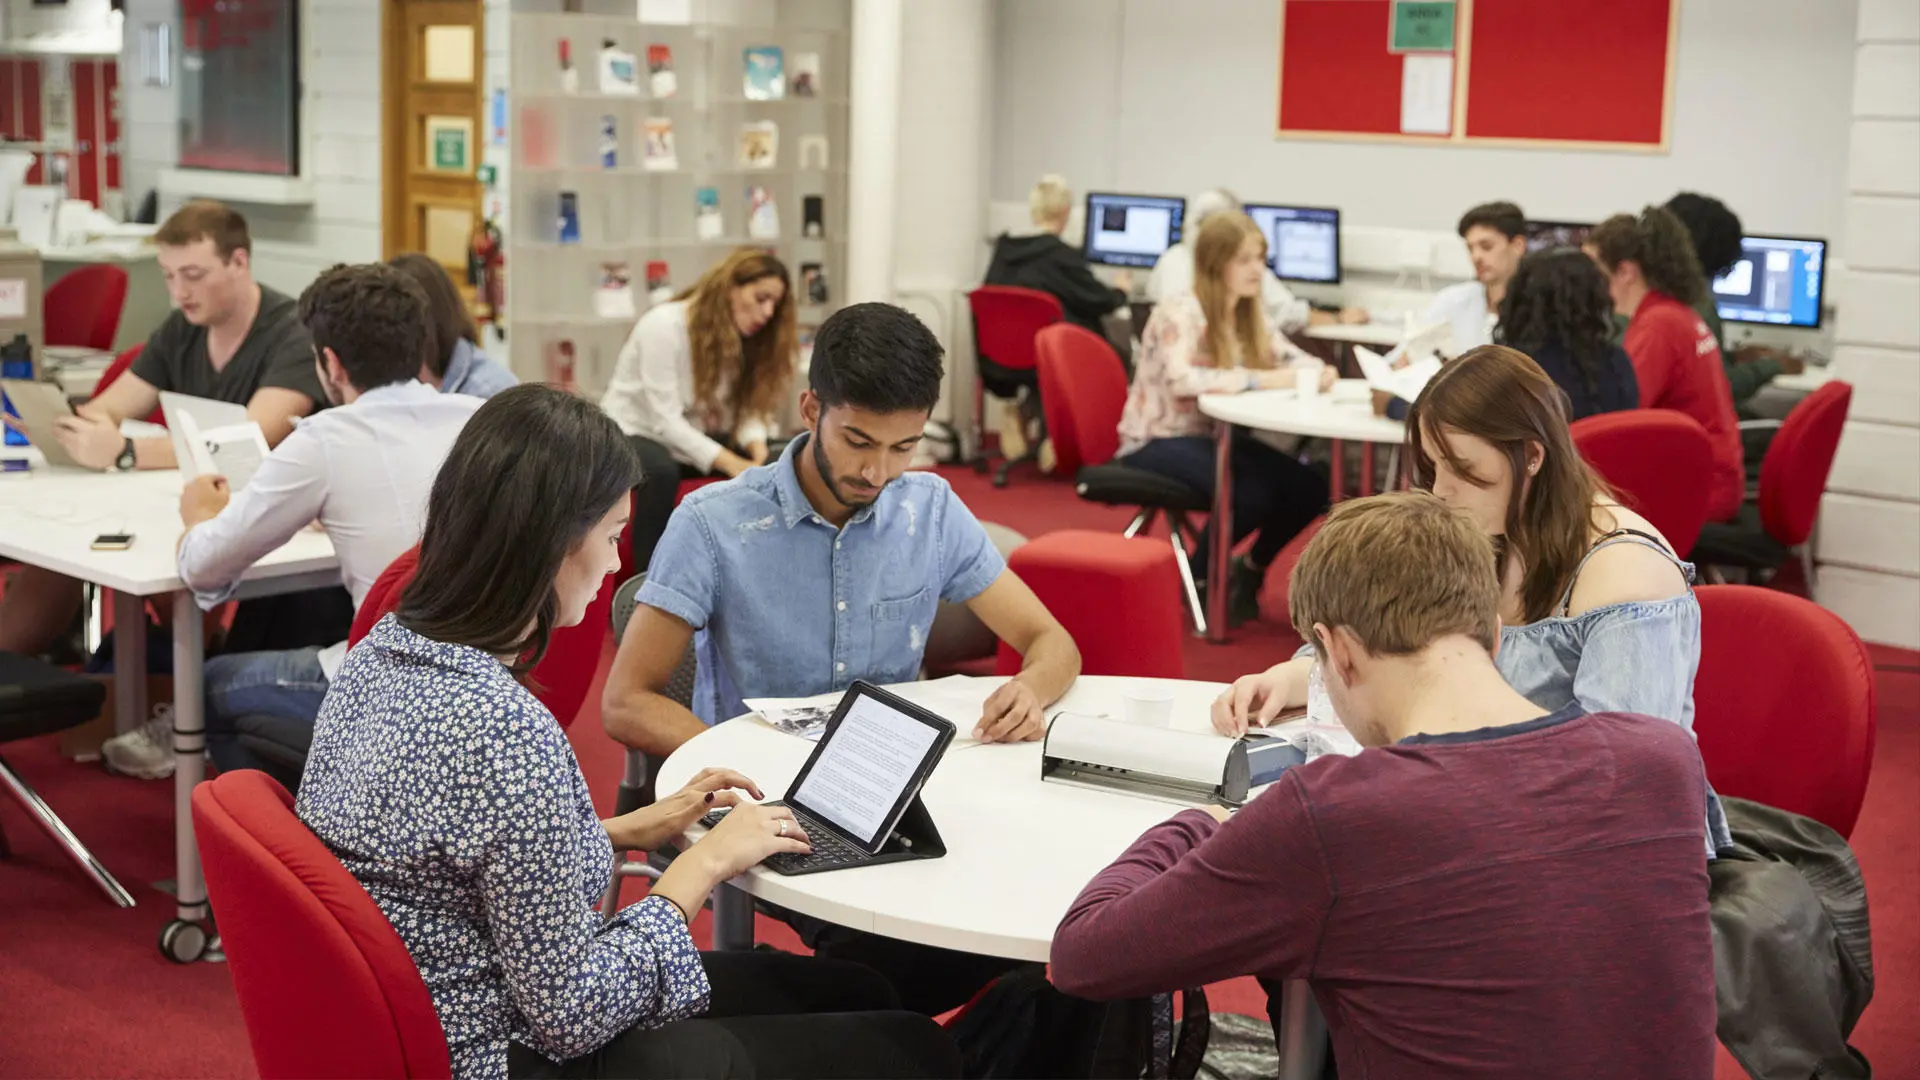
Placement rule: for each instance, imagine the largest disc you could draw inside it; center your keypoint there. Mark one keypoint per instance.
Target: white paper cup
(1148, 706)
(1306, 378)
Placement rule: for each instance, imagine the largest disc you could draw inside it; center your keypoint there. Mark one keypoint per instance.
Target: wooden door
(435, 124)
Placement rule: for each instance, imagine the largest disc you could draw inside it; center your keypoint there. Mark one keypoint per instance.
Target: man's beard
(825, 469)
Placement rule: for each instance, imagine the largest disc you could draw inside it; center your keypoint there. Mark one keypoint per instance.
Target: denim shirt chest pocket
(900, 628)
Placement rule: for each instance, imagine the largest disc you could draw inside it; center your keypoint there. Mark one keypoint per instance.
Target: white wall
(1162, 96)
(1869, 543)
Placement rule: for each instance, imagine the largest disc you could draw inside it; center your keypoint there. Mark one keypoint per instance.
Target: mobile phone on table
(113, 542)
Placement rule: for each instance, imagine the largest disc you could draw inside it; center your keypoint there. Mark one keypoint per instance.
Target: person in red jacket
(1655, 277)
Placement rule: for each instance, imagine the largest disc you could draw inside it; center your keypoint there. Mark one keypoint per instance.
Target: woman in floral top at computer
(453, 796)
(1215, 340)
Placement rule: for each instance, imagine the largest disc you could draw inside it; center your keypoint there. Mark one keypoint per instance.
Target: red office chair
(1783, 703)
(1793, 477)
(562, 677)
(1118, 597)
(83, 308)
(1005, 319)
(1657, 461)
(326, 986)
(1089, 435)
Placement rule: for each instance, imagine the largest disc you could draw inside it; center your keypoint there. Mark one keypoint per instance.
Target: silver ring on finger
(782, 826)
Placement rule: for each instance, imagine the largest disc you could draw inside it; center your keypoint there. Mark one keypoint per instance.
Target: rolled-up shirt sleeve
(283, 497)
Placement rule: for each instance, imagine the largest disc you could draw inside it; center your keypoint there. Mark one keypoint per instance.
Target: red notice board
(1594, 73)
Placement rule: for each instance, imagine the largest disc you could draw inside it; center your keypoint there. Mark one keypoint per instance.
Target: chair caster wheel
(183, 942)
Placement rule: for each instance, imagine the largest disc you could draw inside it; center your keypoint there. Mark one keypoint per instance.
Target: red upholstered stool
(1118, 597)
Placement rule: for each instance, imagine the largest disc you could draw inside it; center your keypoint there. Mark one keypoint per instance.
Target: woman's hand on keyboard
(650, 827)
(749, 833)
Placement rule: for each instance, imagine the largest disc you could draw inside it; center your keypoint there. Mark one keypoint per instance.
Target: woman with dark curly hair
(1557, 311)
(1655, 277)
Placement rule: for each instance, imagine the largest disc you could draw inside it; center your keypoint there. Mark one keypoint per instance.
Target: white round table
(1357, 333)
(1019, 850)
(1345, 412)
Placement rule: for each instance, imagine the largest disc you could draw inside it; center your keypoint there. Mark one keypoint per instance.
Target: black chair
(39, 699)
(637, 784)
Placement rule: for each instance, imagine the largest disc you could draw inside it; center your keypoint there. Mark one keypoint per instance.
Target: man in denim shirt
(827, 565)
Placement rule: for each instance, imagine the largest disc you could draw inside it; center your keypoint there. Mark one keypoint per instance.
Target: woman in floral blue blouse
(453, 796)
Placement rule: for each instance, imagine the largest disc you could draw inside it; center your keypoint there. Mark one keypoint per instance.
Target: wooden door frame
(396, 135)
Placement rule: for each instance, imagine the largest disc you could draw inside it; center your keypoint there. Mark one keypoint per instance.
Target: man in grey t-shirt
(231, 339)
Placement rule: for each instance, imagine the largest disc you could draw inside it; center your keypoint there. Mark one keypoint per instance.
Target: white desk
(1018, 850)
(1373, 334)
(51, 516)
(1345, 413)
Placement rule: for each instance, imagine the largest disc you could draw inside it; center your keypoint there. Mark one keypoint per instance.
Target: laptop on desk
(858, 795)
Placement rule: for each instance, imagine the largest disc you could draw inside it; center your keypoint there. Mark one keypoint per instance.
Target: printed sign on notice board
(13, 298)
(1421, 26)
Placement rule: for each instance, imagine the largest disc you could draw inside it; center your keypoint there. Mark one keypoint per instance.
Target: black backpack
(1021, 1028)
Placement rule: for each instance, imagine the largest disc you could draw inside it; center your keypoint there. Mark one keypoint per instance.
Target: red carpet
(87, 994)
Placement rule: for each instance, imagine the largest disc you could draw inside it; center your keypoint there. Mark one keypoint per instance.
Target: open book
(1389, 373)
(234, 451)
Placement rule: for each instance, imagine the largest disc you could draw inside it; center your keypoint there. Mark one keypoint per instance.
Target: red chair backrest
(1784, 703)
(326, 986)
(1794, 473)
(1118, 597)
(1657, 461)
(1083, 390)
(118, 368)
(83, 308)
(1005, 318)
(562, 677)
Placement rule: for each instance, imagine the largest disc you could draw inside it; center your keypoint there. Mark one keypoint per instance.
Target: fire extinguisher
(487, 268)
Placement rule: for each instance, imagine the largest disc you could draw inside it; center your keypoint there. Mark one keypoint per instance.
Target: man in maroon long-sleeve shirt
(1486, 891)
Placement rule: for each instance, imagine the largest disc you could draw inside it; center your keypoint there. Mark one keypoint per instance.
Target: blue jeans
(284, 686)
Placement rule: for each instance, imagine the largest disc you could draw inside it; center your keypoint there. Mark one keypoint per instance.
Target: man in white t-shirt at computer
(1173, 274)
(1496, 238)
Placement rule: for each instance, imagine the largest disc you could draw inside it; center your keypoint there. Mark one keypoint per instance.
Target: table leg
(1220, 528)
(189, 936)
(1337, 477)
(1366, 469)
(1301, 1033)
(732, 919)
(129, 662)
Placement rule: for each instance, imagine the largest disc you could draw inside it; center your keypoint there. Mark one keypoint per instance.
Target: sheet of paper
(1404, 382)
(805, 717)
(1316, 738)
(1426, 94)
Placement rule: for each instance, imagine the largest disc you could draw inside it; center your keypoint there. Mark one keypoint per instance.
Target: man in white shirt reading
(1496, 237)
(363, 470)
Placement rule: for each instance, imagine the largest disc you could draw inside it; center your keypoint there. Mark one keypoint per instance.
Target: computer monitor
(1542, 235)
(1131, 230)
(1303, 242)
(1779, 280)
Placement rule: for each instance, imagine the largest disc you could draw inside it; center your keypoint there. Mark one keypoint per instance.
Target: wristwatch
(125, 461)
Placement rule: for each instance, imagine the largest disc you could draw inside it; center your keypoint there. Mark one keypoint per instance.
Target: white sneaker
(146, 751)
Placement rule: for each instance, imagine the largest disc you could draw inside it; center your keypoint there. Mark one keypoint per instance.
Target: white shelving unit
(631, 214)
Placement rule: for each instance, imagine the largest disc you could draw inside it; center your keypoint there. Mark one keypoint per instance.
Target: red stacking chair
(1090, 393)
(1005, 319)
(1119, 598)
(326, 987)
(562, 677)
(118, 368)
(1784, 703)
(1793, 477)
(83, 308)
(1657, 461)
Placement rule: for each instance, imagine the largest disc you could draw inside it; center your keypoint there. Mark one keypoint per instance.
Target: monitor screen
(1131, 230)
(1303, 242)
(859, 775)
(1542, 235)
(1778, 280)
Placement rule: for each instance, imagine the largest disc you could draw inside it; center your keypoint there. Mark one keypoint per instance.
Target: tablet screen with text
(864, 766)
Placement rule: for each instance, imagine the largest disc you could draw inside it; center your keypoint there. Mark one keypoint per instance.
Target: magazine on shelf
(813, 216)
(763, 214)
(609, 142)
(766, 78)
(619, 71)
(569, 217)
(559, 361)
(813, 151)
(536, 137)
(806, 74)
(813, 281)
(759, 144)
(661, 81)
(659, 285)
(660, 154)
(569, 75)
(707, 222)
(614, 298)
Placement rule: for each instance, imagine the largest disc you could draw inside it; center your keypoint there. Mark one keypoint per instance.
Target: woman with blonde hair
(700, 379)
(1216, 340)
